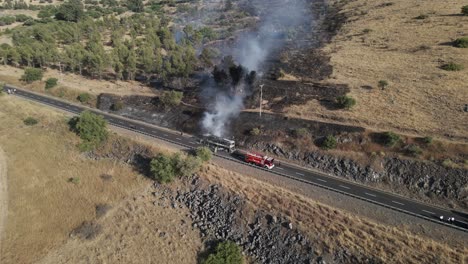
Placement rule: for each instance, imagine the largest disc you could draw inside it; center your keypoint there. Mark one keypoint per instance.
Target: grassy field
(45, 205)
(383, 40)
(333, 229)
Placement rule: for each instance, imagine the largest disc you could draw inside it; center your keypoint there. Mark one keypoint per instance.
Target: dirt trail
(3, 194)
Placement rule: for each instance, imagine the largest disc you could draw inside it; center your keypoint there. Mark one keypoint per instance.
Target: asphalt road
(386, 199)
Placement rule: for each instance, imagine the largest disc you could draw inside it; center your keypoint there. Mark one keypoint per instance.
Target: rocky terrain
(425, 181)
(265, 237)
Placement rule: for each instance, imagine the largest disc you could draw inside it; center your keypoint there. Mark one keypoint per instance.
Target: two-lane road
(386, 199)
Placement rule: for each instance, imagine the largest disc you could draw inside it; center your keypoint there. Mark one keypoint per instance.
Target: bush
(464, 10)
(413, 150)
(31, 74)
(51, 83)
(117, 106)
(225, 253)
(171, 98)
(383, 84)
(84, 97)
(427, 140)
(329, 142)
(204, 154)
(424, 16)
(390, 139)
(22, 18)
(300, 132)
(91, 128)
(461, 42)
(255, 131)
(30, 121)
(345, 102)
(185, 166)
(162, 169)
(74, 180)
(452, 67)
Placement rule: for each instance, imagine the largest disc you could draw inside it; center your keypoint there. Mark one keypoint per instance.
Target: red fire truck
(259, 160)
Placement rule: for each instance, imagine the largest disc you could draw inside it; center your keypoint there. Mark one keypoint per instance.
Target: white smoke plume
(276, 21)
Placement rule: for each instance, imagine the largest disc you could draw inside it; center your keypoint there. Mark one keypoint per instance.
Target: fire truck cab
(259, 160)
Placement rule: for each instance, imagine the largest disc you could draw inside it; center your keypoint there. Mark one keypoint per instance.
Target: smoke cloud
(278, 21)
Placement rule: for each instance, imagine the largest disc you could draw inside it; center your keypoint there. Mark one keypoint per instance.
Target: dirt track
(3, 194)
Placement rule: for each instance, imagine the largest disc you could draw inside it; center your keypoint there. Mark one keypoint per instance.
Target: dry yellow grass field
(385, 42)
(44, 207)
(332, 228)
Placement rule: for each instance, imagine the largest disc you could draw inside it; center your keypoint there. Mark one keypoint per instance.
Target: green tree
(75, 56)
(464, 10)
(390, 139)
(185, 166)
(162, 169)
(329, 142)
(345, 102)
(72, 10)
(171, 98)
(30, 121)
(226, 252)
(92, 129)
(84, 97)
(204, 153)
(32, 74)
(461, 42)
(383, 84)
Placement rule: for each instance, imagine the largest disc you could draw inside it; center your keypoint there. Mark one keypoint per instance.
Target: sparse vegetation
(32, 74)
(226, 252)
(91, 128)
(30, 121)
(390, 139)
(329, 142)
(345, 102)
(51, 83)
(204, 154)
(171, 98)
(461, 42)
(452, 67)
(449, 163)
(84, 97)
(255, 131)
(383, 84)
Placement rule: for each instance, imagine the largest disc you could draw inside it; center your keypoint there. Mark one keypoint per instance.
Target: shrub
(300, 132)
(22, 18)
(383, 84)
(424, 16)
(74, 180)
(51, 83)
(255, 131)
(31, 74)
(452, 67)
(171, 98)
(390, 139)
(461, 42)
(367, 30)
(30, 121)
(345, 102)
(449, 163)
(225, 253)
(413, 150)
(464, 10)
(162, 169)
(427, 140)
(329, 142)
(117, 106)
(84, 97)
(91, 128)
(185, 166)
(204, 154)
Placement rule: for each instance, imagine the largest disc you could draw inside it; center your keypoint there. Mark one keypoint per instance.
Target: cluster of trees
(8, 20)
(112, 47)
(164, 168)
(91, 128)
(226, 252)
